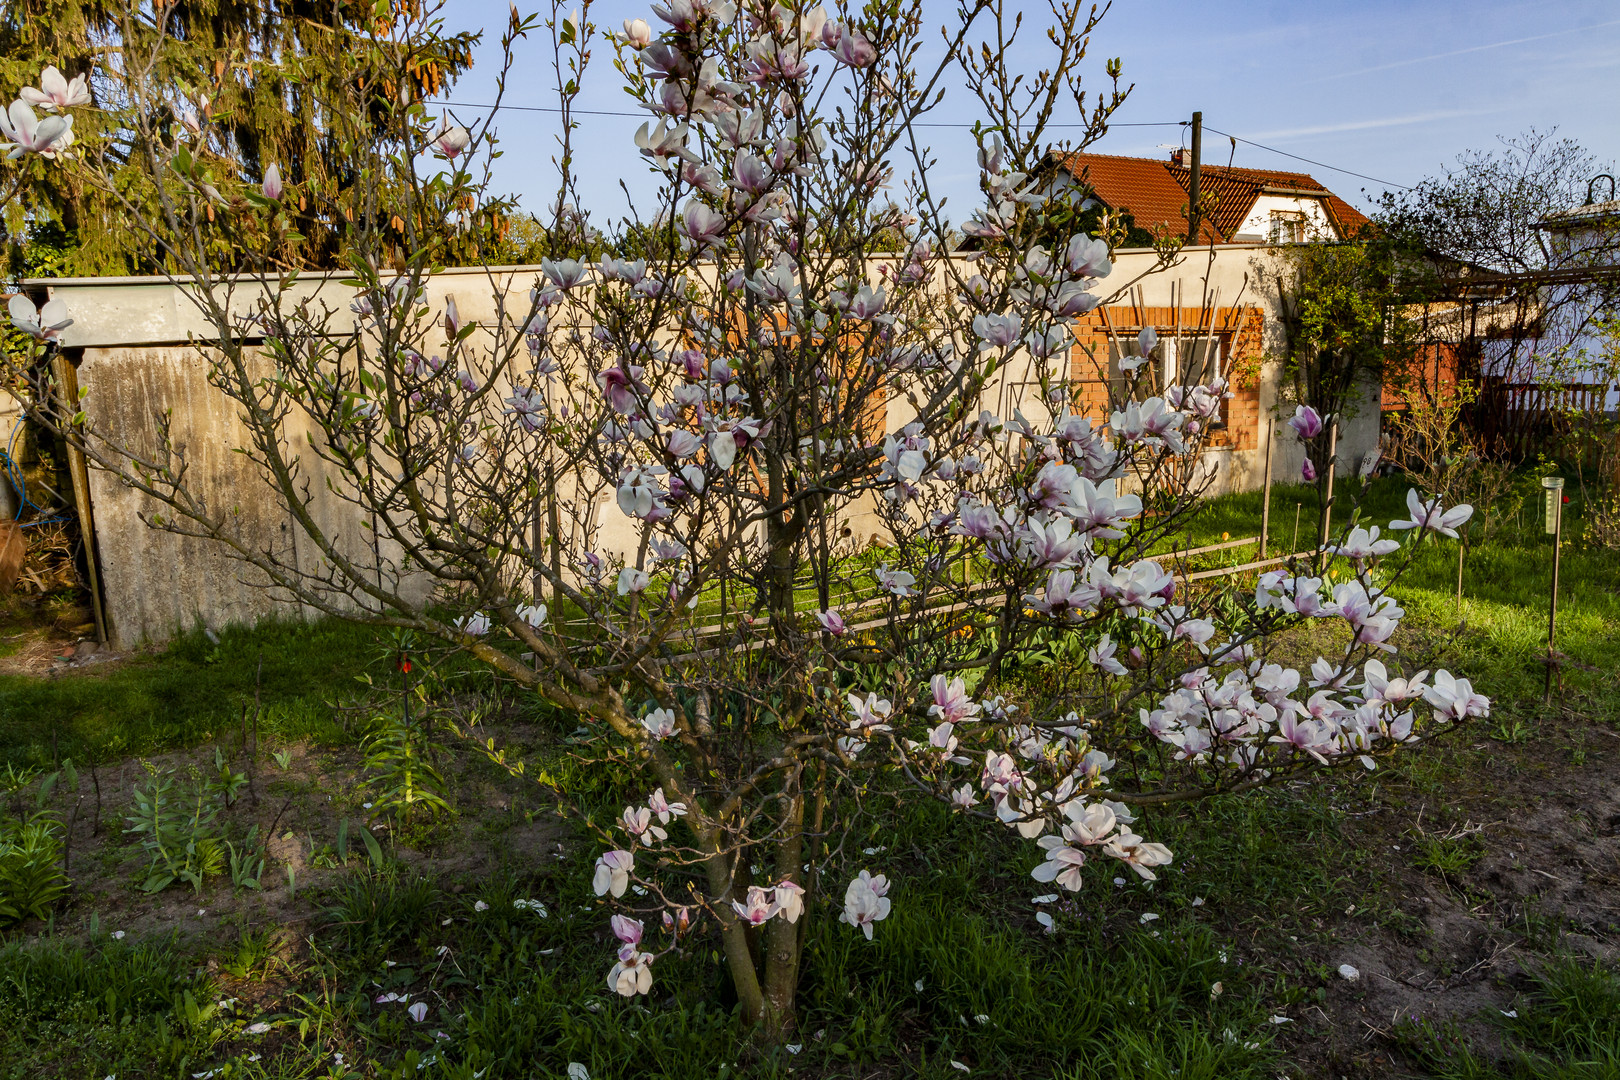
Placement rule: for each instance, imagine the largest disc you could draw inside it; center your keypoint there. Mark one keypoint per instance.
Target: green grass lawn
(190, 693)
(1506, 585)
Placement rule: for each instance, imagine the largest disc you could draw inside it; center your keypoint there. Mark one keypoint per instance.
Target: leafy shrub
(177, 832)
(30, 879)
(402, 779)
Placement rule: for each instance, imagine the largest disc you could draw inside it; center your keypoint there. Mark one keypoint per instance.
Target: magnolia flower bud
(272, 187)
(637, 34)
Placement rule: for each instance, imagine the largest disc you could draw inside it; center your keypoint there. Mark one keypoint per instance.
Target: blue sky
(1392, 89)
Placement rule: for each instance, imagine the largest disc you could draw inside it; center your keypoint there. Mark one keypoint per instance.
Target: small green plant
(283, 759)
(30, 879)
(247, 865)
(13, 782)
(398, 759)
(254, 952)
(1512, 730)
(227, 782)
(177, 832)
(1450, 855)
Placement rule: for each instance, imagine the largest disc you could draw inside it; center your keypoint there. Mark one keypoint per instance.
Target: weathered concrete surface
(158, 582)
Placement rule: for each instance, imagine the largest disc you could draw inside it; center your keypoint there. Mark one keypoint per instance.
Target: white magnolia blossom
(56, 92)
(45, 323)
(26, 133)
(866, 902)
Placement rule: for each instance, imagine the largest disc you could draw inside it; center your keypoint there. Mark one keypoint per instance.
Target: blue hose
(15, 476)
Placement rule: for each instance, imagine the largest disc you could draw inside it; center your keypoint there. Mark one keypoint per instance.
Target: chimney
(1181, 158)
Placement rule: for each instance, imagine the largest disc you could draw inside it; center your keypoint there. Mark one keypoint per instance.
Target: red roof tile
(1155, 192)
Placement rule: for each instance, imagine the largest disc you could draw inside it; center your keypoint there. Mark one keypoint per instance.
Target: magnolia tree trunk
(721, 365)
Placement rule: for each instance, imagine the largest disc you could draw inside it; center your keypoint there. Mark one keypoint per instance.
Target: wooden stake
(1552, 606)
(1265, 506)
(1296, 527)
(1326, 521)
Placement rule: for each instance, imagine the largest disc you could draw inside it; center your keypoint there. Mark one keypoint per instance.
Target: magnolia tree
(787, 353)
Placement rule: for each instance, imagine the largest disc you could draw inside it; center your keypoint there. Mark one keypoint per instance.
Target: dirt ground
(298, 808)
(1542, 838)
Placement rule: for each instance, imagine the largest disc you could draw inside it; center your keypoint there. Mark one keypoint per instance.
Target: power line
(644, 116)
(1306, 160)
(931, 124)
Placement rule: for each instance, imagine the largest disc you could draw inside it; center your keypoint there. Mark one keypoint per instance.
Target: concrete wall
(156, 583)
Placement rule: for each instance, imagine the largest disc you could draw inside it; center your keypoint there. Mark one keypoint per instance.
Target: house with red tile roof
(1240, 206)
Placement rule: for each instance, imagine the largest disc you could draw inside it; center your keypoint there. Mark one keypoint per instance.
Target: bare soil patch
(1528, 835)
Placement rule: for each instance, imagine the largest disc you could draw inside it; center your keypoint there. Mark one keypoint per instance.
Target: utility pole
(1192, 180)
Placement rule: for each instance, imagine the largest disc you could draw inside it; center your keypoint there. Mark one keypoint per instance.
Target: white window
(1287, 227)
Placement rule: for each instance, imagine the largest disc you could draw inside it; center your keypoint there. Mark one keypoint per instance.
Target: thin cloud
(1369, 125)
(1461, 52)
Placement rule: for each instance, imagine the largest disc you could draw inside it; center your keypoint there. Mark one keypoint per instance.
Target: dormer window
(1287, 227)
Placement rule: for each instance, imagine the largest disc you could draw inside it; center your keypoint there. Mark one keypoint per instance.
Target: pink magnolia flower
(1072, 299)
(1087, 257)
(28, 134)
(1306, 422)
(624, 388)
(856, 51)
(450, 140)
(683, 444)
(632, 975)
(637, 821)
(871, 713)
(789, 900)
(1052, 545)
(895, 582)
(1304, 735)
(1062, 864)
(996, 331)
(1379, 688)
(660, 724)
(637, 34)
(951, 701)
(1141, 856)
(626, 929)
(1307, 472)
(665, 809)
(613, 872)
(272, 186)
(701, 225)
(1102, 655)
(1454, 698)
(1363, 544)
(56, 92)
(758, 909)
(832, 622)
(565, 273)
(43, 324)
